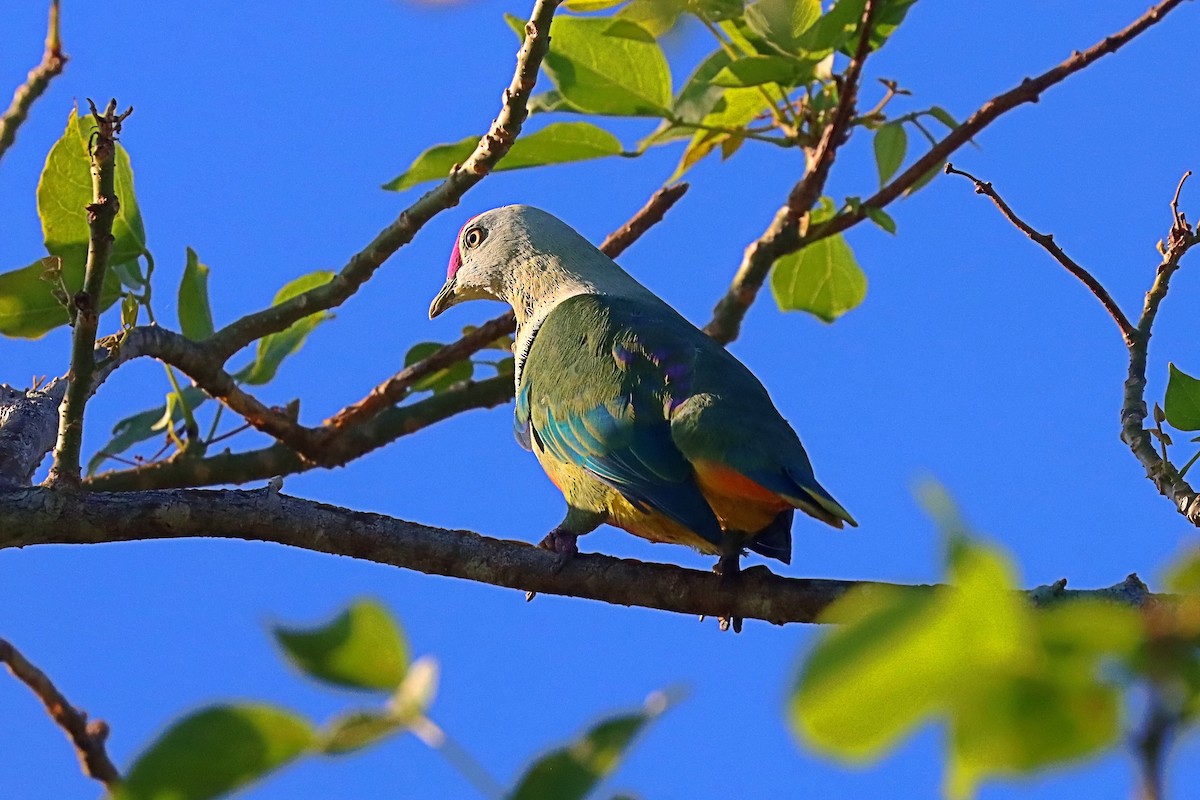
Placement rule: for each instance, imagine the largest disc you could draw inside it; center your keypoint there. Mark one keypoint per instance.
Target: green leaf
(757, 70)
(195, 316)
(1183, 576)
(656, 16)
(64, 191)
(822, 279)
(359, 729)
(1182, 403)
(28, 307)
(943, 116)
(142, 426)
(557, 143)
(838, 29)
(583, 6)
(783, 22)
(547, 101)
(216, 751)
(604, 66)
(880, 218)
(923, 181)
(443, 379)
(572, 772)
(703, 143)
(891, 143)
(696, 100)
(275, 347)
(361, 648)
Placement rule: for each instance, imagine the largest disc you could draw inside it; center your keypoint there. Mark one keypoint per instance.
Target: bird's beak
(444, 299)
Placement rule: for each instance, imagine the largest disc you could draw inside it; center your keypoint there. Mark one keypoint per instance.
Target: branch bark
(88, 737)
(40, 516)
(51, 66)
(778, 241)
(28, 429)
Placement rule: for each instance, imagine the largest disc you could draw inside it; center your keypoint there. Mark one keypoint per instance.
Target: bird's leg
(729, 567)
(562, 540)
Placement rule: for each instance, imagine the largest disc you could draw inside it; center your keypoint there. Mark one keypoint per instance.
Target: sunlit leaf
(656, 16)
(606, 66)
(573, 771)
(557, 143)
(216, 751)
(358, 729)
(195, 315)
(943, 116)
(1182, 402)
(823, 278)
(275, 347)
(880, 218)
(891, 143)
(361, 648)
(28, 307)
(703, 143)
(783, 22)
(584, 6)
(1183, 576)
(757, 70)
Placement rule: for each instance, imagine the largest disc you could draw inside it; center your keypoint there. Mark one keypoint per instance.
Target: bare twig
(52, 63)
(38, 516)
(491, 148)
(1133, 410)
(88, 737)
(395, 388)
(778, 241)
(86, 302)
(1046, 240)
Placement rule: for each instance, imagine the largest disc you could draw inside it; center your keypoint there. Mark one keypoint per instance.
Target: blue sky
(261, 135)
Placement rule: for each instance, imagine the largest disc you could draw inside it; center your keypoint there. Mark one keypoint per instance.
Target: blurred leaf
(216, 751)
(141, 426)
(28, 307)
(718, 10)
(656, 16)
(703, 143)
(195, 316)
(572, 772)
(358, 729)
(557, 143)
(1183, 576)
(823, 278)
(943, 116)
(1182, 402)
(891, 143)
(275, 347)
(443, 379)
(880, 218)
(361, 648)
(416, 692)
(757, 70)
(783, 22)
(605, 66)
(923, 181)
(583, 6)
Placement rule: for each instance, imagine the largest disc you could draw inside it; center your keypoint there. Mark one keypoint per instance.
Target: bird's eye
(473, 237)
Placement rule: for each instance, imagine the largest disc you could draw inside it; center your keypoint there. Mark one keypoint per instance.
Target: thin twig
(88, 737)
(1046, 240)
(1133, 410)
(39, 516)
(51, 66)
(87, 302)
(778, 241)
(491, 148)
(1151, 746)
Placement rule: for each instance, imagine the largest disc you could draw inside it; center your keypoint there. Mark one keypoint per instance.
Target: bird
(639, 418)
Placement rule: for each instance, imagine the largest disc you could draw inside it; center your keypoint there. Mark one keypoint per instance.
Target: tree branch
(51, 66)
(1046, 240)
(778, 241)
(28, 429)
(794, 215)
(1133, 411)
(491, 148)
(88, 737)
(40, 516)
(86, 303)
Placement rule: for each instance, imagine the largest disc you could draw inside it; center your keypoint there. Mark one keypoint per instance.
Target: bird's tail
(775, 540)
(816, 502)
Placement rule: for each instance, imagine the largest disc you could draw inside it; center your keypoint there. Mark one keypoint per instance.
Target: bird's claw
(563, 544)
(729, 567)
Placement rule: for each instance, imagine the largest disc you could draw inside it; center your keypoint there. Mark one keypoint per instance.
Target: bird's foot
(562, 543)
(729, 567)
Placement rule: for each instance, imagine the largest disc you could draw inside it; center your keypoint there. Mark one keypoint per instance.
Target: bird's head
(515, 254)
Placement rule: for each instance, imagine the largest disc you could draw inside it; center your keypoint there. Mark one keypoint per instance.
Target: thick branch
(491, 148)
(1133, 411)
(86, 302)
(28, 429)
(41, 516)
(1046, 240)
(88, 737)
(777, 242)
(51, 66)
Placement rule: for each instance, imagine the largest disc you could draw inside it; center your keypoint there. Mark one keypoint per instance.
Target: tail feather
(775, 540)
(817, 502)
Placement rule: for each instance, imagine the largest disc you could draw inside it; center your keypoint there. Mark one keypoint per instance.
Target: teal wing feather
(583, 406)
